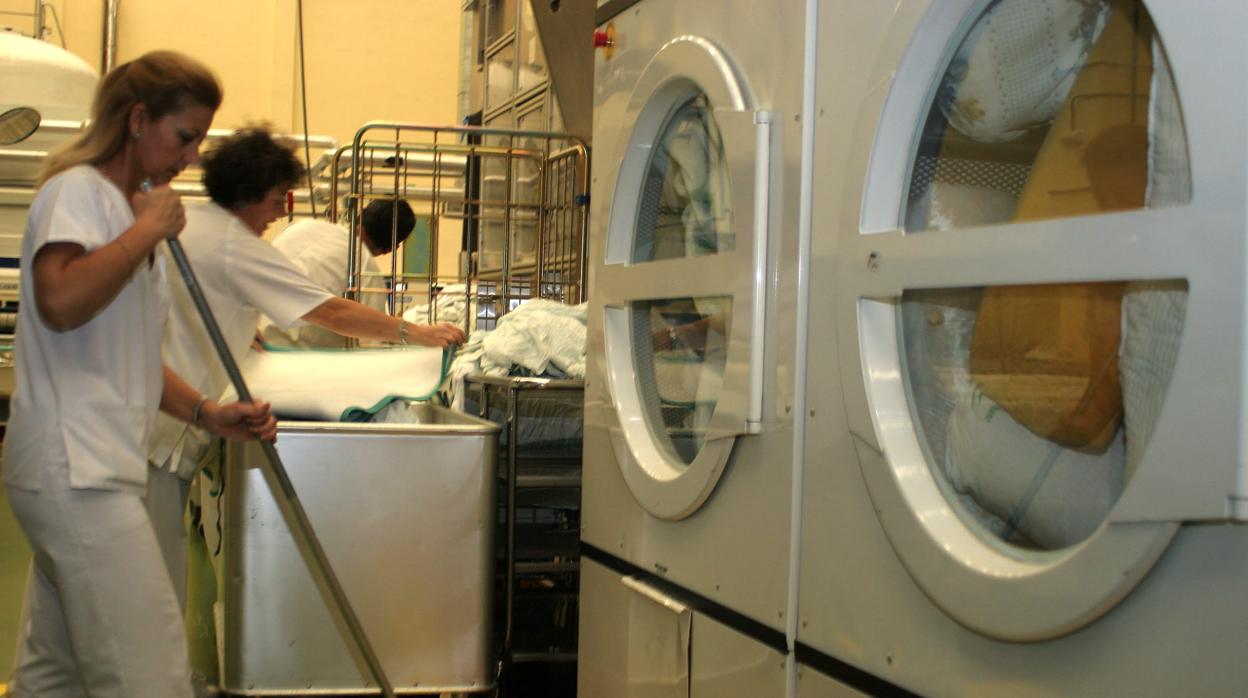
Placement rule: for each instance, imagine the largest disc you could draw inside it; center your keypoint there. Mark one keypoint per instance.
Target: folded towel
(328, 385)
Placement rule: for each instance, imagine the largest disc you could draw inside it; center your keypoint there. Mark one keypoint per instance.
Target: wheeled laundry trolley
(405, 514)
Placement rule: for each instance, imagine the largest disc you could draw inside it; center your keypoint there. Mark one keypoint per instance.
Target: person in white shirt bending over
(319, 249)
(247, 176)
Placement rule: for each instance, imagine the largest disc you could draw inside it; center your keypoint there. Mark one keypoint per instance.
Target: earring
(138, 134)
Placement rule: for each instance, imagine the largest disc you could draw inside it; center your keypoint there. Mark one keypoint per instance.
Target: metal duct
(566, 28)
(109, 59)
(39, 21)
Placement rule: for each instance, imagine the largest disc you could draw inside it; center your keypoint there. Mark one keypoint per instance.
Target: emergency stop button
(605, 40)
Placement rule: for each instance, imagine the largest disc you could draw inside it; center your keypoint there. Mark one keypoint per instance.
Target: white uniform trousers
(100, 616)
(166, 505)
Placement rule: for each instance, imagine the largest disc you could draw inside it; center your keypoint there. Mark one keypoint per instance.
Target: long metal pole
(801, 357)
(108, 59)
(303, 95)
(287, 499)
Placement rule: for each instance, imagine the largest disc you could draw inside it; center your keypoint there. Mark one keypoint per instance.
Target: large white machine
(51, 89)
(688, 421)
(59, 86)
(1024, 456)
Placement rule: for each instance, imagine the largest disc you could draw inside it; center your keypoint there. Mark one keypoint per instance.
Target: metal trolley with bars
(516, 199)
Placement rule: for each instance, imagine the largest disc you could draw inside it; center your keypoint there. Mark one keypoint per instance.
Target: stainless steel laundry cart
(405, 514)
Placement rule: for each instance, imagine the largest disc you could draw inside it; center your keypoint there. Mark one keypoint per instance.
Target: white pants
(166, 506)
(100, 617)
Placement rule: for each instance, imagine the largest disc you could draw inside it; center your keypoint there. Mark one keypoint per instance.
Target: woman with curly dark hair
(247, 176)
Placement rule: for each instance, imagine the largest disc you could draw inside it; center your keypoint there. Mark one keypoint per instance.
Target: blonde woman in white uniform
(100, 617)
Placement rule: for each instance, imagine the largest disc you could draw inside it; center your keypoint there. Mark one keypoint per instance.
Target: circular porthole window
(677, 282)
(680, 353)
(1015, 386)
(684, 208)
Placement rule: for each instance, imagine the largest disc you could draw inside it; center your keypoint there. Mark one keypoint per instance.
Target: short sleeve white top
(241, 276)
(86, 398)
(319, 249)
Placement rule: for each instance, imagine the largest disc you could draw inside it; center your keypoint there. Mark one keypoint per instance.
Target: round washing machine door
(1014, 303)
(684, 276)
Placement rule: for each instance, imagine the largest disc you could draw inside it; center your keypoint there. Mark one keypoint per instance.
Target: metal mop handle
(292, 510)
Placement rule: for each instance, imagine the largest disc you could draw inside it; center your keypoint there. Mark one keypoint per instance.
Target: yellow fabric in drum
(1048, 354)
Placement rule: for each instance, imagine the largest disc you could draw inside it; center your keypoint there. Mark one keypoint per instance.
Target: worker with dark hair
(386, 223)
(247, 176)
(319, 249)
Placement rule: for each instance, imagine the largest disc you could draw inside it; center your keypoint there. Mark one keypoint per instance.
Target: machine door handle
(762, 228)
(655, 595)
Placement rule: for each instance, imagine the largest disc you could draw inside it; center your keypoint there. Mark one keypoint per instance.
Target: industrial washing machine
(1024, 461)
(688, 419)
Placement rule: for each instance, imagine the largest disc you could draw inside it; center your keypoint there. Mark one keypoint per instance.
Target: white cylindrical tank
(60, 86)
(48, 78)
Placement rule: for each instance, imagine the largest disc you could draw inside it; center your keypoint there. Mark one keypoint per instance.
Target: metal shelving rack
(539, 511)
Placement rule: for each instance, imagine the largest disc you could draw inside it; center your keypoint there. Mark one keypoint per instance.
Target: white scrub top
(86, 398)
(319, 249)
(241, 276)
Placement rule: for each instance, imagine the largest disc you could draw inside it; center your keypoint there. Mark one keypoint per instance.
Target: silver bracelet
(403, 332)
(195, 411)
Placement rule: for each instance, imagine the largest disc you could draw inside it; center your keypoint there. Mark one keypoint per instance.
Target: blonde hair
(162, 81)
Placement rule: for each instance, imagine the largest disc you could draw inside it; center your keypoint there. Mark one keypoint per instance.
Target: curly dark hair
(376, 223)
(246, 165)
